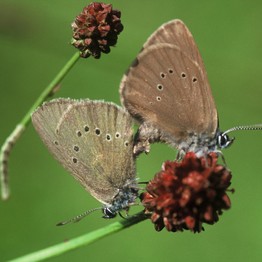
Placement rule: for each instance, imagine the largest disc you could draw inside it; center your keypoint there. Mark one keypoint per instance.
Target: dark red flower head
(186, 194)
(96, 29)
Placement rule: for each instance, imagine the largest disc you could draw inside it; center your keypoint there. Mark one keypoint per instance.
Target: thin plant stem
(21, 126)
(83, 240)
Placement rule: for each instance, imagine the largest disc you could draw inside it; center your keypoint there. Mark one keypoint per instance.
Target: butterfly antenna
(236, 128)
(79, 217)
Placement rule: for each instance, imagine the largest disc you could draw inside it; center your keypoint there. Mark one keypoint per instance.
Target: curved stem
(81, 240)
(20, 128)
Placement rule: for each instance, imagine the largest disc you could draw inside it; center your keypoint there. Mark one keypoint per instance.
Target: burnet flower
(186, 194)
(95, 29)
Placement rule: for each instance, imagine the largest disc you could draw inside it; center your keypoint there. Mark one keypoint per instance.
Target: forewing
(45, 119)
(93, 140)
(167, 88)
(176, 33)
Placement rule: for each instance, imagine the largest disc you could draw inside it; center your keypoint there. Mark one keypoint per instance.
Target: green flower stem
(20, 128)
(81, 240)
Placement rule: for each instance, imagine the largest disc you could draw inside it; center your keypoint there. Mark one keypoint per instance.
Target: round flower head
(96, 29)
(186, 194)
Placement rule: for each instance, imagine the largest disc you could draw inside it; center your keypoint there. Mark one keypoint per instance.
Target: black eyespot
(183, 75)
(74, 160)
(97, 131)
(56, 143)
(170, 71)
(79, 133)
(162, 75)
(194, 79)
(117, 135)
(126, 143)
(86, 128)
(158, 98)
(160, 87)
(108, 137)
(76, 148)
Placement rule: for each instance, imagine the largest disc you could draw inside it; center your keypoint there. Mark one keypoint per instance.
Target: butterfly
(93, 140)
(166, 90)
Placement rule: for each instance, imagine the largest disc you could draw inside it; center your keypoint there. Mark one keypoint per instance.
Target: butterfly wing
(176, 33)
(93, 140)
(166, 88)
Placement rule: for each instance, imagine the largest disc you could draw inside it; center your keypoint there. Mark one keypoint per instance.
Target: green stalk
(81, 240)
(21, 126)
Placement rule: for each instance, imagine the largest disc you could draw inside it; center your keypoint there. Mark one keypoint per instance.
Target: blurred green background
(35, 36)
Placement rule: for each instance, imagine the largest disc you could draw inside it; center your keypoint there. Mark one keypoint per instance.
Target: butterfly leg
(145, 135)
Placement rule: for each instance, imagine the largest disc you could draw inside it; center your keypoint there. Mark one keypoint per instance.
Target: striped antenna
(79, 217)
(237, 128)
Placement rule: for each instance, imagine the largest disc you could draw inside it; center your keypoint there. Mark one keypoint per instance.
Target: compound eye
(224, 141)
(108, 213)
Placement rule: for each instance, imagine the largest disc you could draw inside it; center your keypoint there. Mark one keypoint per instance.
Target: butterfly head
(224, 141)
(108, 213)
